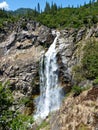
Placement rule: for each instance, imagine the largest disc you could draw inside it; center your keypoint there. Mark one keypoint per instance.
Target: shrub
(42, 125)
(10, 118)
(78, 74)
(6, 101)
(24, 25)
(95, 82)
(90, 60)
(21, 122)
(76, 90)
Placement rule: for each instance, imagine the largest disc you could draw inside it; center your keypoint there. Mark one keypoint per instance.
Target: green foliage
(14, 16)
(42, 125)
(56, 17)
(8, 117)
(21, 122)
(24, 100)
(90, 60)
(78, 74)
(77, 90)
(88, 68)
(6, 101)
(38, 7)
(95, 82)
(3, 13)
(24, 24)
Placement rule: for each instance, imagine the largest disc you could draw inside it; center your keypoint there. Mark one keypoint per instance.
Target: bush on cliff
(88, 68)
(90, 60)
(77, 90)
(95, 82)
(6, 101)
(11, 119)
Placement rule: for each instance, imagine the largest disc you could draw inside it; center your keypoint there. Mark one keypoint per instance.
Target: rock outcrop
(20, 54)
(70, 48)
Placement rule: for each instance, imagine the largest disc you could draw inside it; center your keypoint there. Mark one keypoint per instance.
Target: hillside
(57, 17)
(71, 17)
(22, 11)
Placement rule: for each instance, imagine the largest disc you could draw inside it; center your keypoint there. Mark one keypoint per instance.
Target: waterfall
(51, 94)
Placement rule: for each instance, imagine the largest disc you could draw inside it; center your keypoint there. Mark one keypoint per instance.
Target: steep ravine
(20, 54)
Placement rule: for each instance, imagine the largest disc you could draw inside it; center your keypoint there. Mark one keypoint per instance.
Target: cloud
(4, 5)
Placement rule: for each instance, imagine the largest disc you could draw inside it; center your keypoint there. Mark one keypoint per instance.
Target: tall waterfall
(50, 93)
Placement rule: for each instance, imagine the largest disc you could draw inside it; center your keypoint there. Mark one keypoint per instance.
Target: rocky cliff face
(20, 53)
(70, 48)
(21, 50)
(21, 46)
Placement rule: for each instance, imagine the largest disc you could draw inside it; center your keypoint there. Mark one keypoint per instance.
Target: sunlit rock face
(20, 53)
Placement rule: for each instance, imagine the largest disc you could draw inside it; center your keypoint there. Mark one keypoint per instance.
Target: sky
(15, 4)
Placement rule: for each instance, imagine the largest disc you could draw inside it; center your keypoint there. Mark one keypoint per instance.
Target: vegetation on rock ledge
(90, 60)
(9, 118)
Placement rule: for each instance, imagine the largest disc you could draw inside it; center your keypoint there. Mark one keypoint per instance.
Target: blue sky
(15, 4)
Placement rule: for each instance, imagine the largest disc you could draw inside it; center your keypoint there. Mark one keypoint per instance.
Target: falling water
(50, 93)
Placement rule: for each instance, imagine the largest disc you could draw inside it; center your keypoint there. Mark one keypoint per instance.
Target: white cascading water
(51, 94)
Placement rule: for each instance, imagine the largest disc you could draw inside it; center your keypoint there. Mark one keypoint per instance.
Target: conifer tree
(35, 12)
(38, 7)
(47, 7)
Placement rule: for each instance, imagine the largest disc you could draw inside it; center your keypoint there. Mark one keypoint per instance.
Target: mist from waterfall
(51, 94)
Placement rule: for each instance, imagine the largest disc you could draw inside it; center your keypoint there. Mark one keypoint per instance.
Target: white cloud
(4, 5)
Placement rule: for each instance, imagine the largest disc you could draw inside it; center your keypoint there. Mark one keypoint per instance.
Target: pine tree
(35, 12)
(47, 8)
(90, 2)
(38, 7)
(54, 8)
